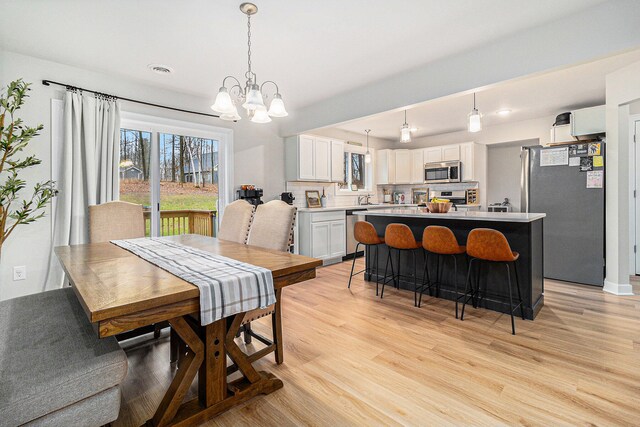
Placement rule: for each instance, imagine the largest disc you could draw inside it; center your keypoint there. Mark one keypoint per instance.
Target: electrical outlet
(19, 272)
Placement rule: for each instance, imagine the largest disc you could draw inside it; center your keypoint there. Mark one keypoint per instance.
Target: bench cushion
(50, 356)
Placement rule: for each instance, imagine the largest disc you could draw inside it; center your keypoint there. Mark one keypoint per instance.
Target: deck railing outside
(173, 223)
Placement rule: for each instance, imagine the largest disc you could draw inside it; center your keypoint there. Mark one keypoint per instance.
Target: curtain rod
(68, 86)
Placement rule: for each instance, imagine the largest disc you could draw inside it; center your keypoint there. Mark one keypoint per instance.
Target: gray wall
(503, 171)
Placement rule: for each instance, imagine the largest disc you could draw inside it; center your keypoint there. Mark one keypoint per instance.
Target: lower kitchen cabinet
(322, 235)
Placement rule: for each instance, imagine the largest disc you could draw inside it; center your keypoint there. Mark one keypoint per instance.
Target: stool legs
(513, 322)
(467, 289)
(515, 270)
(354, 264)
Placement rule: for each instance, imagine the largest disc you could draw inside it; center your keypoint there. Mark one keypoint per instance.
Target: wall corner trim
(620, 289)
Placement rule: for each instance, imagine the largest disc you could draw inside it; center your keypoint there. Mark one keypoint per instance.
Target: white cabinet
(433, 154)
(417, 166)
(386, 167)
(337, 161)
(466, 159)
(450, 153)
(403, 166)
(337, 238)
(322, 235)
(308, 158)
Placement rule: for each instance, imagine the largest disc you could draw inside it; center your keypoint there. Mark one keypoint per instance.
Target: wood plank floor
(353, 359)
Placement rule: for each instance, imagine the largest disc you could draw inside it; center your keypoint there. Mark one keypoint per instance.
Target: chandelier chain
(249, 72)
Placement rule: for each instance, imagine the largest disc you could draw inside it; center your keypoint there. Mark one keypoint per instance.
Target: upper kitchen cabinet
(473, 158)
(443, 153)
(337, 161)
(450, 153)
(417, 166)
(433, 154)
(386, 167)
(309, 158)
(403, 166)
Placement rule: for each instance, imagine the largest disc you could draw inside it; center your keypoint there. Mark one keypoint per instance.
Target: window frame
(369, 168)
(156, 125)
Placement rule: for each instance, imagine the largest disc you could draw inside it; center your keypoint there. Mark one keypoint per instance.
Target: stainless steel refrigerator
(569, 187)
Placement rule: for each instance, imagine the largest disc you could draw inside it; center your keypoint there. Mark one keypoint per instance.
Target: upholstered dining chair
(236, 221)
(115, 220)
(271, 228)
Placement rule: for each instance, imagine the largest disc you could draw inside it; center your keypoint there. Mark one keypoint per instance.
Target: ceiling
(532, 97)
(313, 49)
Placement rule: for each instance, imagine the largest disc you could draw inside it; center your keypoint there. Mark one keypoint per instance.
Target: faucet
(366, 198)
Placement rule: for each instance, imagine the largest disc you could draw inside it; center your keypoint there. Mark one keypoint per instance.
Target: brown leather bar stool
(365, 234)
(400, 237)
(440, 241)
(487, 245)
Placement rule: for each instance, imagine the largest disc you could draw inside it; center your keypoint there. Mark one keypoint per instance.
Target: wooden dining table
(121, 292)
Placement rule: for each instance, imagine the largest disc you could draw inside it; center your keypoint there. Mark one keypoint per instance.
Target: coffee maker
(252, 196)
(287, 197)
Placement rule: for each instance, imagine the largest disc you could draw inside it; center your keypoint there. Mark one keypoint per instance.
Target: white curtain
(88, 166)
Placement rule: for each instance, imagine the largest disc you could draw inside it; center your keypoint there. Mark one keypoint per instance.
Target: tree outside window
(355, 172)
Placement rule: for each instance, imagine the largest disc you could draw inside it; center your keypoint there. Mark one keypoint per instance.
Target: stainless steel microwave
(443, 172)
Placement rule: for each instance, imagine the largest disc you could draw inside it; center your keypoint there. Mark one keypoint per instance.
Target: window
(356, 171)
(173, 169)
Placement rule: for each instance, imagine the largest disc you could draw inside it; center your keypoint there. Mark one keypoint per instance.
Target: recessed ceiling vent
(160, 69)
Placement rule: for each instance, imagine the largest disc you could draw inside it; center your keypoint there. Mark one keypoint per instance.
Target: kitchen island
(522, 230)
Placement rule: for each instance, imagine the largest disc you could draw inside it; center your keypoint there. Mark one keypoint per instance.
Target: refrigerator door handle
(524, 179)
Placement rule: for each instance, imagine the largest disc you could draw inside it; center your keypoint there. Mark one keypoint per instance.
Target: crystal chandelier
(250, 96)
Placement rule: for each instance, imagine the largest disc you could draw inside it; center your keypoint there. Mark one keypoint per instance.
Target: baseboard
(621, 289)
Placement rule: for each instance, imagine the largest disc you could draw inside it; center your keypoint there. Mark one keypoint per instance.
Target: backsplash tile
(331, 191)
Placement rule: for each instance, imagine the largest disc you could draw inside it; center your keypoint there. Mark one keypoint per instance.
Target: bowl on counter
(439, 207)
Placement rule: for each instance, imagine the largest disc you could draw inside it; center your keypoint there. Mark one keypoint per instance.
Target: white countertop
(344, 208)
(460, 215)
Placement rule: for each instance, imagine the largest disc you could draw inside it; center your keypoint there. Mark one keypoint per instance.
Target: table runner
(227, 286)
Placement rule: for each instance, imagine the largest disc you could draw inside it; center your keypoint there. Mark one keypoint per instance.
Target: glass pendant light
(276, 109)
(254, 98)
(260, 115)
(223, 104)
(367, 156)
(405, 130)
(232, 116)
(475, 119)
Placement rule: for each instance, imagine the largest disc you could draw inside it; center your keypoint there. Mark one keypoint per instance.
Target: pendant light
(250, 96)
(367, 156)
(475, 118)
(405, 130)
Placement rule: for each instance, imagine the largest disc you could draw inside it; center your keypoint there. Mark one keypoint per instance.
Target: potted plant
(15, 209)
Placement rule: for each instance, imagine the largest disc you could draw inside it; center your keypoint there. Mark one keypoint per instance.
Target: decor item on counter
(313, 198)
(354, 187)
(287, 197)
(420, 196)
(398, 198)
(367, 156)
(251, 94)
(472, 196)
(247, 187)
(14, 138)
(386, 196)
(251, 194)
(439, 207)
(323, 199)
(405, 130)
(475, 118)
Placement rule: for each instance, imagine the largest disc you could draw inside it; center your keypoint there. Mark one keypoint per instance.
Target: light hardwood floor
(353, 359)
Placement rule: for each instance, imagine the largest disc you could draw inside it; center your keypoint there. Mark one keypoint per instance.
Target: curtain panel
(88, 166)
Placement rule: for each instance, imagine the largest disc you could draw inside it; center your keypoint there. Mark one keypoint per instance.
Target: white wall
(623, 88)
(258, 150)
(504, 170)
(554, 45)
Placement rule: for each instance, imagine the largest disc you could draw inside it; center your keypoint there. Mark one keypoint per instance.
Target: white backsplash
(406, 188)
(331, 191)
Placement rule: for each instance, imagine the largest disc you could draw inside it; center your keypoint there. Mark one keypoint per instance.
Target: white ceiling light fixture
(475, 119)
(367, 156)
(405, 130)
(250, 96)
(503, 112)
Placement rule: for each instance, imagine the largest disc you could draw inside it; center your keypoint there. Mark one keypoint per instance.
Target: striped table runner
(227, 286)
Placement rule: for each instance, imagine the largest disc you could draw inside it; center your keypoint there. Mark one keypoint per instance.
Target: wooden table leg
(212, 380)
(276, 325)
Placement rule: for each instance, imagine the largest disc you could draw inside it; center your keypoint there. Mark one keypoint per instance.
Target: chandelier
(250, 96)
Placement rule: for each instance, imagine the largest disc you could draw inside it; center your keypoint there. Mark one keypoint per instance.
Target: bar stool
(440, 241)
(487, 245)
(400, 237)
(365, 234)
